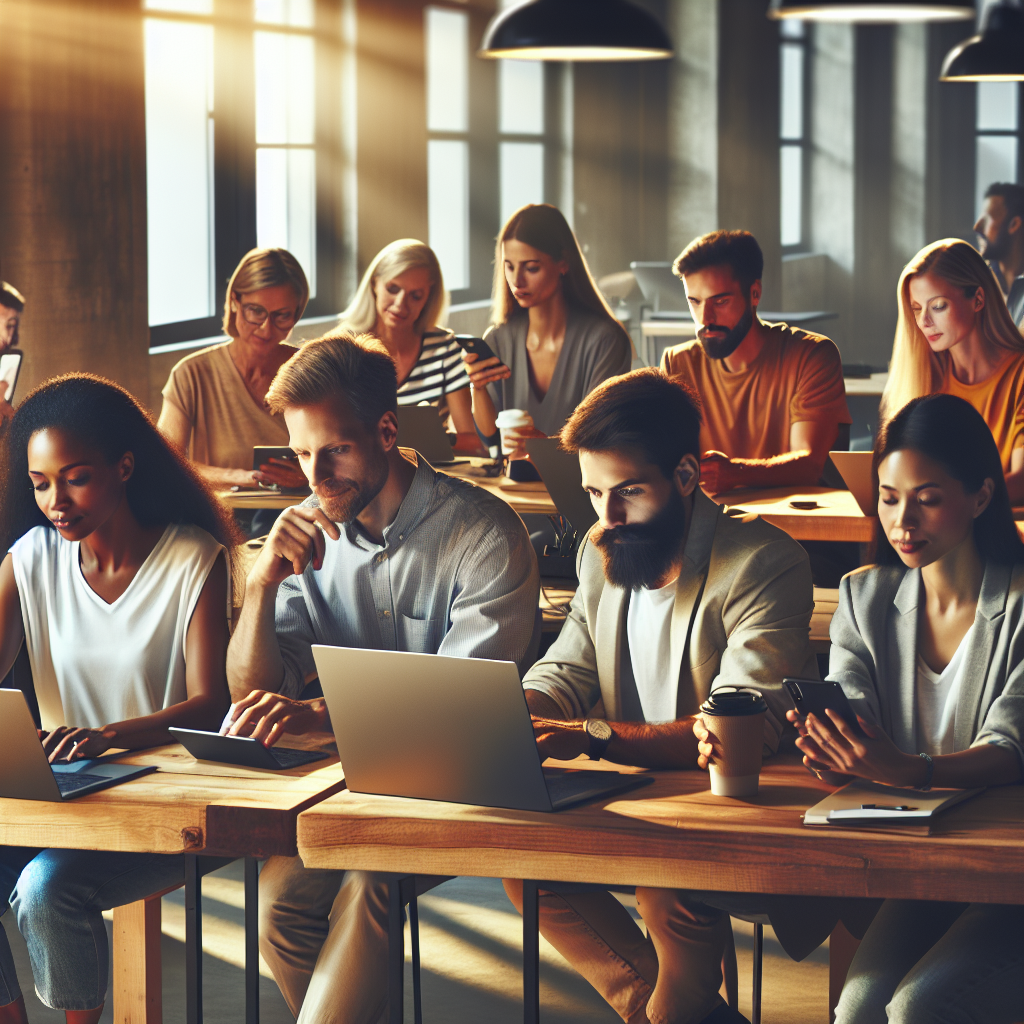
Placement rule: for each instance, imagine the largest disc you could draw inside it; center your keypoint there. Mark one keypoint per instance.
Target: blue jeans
(58, 900)
(12, 860)
(924, 962)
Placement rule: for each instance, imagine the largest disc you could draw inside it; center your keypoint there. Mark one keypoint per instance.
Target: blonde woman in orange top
(955, 335)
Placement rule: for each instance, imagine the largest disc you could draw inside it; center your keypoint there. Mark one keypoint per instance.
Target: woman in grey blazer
(929, 646)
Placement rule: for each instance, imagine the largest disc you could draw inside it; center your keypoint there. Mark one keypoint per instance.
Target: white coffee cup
(511, 419)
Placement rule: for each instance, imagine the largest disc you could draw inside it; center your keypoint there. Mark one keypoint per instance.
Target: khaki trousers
(324, 935)
(670, 977)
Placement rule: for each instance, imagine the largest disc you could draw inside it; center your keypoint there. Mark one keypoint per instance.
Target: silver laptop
(455, 729)
(25, 774)
(420, 427)
(561, 474)
(855, 469)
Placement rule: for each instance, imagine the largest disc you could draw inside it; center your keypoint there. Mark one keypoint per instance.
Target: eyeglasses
(257, 315)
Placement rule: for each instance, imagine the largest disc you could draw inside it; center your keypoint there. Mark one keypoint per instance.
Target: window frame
(234, 155)
(806, 43)
(1016, 133)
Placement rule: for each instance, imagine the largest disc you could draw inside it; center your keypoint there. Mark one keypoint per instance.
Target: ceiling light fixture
(996, 54)
(872, 10)
(576, 30)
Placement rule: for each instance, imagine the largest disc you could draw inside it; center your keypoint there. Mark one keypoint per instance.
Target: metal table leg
(755, 1015)
(252, 947)
(193, 941)
(531, 954)
(396, 952)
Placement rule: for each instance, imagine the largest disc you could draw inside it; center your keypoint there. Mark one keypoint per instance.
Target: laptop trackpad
(95, 766)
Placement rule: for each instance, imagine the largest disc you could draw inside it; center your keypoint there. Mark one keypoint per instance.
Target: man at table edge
(773, 396)
(385, 554)
(675, 599)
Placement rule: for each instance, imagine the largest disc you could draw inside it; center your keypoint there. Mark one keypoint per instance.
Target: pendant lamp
(872, 10)
(996, 55)
(574, 30)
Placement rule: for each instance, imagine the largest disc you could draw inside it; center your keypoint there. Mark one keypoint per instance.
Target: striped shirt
(438, 371)
(456, 575)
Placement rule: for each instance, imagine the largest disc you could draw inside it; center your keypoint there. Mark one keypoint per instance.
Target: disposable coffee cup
(511, 419)
(735, 718)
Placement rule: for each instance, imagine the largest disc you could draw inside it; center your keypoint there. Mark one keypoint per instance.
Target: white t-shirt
(936, 698)
(94, 663)
(649, 630)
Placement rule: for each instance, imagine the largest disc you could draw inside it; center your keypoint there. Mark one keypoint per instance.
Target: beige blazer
(741, 618)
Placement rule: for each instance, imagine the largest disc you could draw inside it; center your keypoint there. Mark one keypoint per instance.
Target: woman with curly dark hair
(115, 579)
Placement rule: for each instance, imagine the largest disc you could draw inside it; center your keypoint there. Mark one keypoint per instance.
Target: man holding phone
(12, 305)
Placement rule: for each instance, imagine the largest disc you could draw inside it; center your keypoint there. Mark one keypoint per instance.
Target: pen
(227, 723)
(887, 807)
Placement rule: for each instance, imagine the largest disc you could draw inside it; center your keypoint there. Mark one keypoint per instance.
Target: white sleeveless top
(94, 663)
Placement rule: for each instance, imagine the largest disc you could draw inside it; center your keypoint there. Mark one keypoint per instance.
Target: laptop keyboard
(293, 758)
(68, 784)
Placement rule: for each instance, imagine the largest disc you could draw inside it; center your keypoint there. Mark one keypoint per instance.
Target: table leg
(193, 941)
(396, 952)
(252, 945)
(414, 934)
(531, 954)
(136, 954)
(755, 1004)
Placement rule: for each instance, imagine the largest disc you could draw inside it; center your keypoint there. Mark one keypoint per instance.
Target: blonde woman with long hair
(955, 335)
(214, 408)
(401, 301)
(554, 336)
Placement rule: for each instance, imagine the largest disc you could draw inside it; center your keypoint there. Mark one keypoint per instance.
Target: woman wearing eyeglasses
(214, 399)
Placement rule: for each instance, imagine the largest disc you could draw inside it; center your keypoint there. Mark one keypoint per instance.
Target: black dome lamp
(574, 30)
(872, 10)
(996, 55)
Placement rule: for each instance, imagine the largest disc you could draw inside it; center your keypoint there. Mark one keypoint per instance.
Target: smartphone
(477, 346)
(813, 696)
(262, 454)
(10, 367)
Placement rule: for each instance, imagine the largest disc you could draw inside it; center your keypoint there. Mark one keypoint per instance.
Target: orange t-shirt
(797, 376)
(1000, 400)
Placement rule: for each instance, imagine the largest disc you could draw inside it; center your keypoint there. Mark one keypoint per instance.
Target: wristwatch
(600, 734)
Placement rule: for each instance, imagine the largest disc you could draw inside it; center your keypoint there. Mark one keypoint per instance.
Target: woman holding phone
(116, 581)
(400, 301)
(928, 646)
(214, 400)
(554, 337)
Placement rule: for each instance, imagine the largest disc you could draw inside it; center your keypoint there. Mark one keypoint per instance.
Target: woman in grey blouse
(929, 647)
(554, 336)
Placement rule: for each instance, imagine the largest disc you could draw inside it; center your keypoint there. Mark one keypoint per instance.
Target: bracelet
(927, 784)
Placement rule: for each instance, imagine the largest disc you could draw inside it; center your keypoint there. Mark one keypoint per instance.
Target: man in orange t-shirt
(773, 396)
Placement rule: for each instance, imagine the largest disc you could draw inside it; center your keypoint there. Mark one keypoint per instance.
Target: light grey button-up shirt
(456, 575)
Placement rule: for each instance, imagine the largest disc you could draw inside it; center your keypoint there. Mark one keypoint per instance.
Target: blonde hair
(914, 369)
(542, 226)
(356, 367)
(265, 268)
(391, 262)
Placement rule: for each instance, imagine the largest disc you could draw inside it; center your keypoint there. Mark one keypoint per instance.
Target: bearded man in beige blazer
(716, 601)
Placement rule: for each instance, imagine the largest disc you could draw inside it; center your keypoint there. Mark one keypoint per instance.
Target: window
(793, 87)
(492, 144)
(235, 90)
(998, 149)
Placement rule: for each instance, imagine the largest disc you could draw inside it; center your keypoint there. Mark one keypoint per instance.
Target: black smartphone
(477, 346)
(262, 454)
(813, 696)
(10, 367)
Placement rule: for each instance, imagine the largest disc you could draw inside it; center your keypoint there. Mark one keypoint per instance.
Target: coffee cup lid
(734, 700)
(513, 418)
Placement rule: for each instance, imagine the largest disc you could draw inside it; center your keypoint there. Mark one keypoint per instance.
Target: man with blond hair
(387, 554)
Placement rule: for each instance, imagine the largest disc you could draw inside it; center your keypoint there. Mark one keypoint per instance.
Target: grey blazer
(874, 655)
(741, 618)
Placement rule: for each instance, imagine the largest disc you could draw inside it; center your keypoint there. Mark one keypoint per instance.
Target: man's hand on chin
(559, 739)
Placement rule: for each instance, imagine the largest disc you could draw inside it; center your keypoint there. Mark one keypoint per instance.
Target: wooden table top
(675, 834)
(259, 498)
(183, 807)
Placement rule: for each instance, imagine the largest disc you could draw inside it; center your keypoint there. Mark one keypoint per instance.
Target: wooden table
(183, 808)
(675, 834)
(259, 498)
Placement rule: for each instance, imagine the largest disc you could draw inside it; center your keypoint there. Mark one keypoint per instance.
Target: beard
(341, 500)
(997, 249)
(719, 342)
(640, 554)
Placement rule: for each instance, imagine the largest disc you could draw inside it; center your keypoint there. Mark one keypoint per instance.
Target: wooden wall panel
(73, 185)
